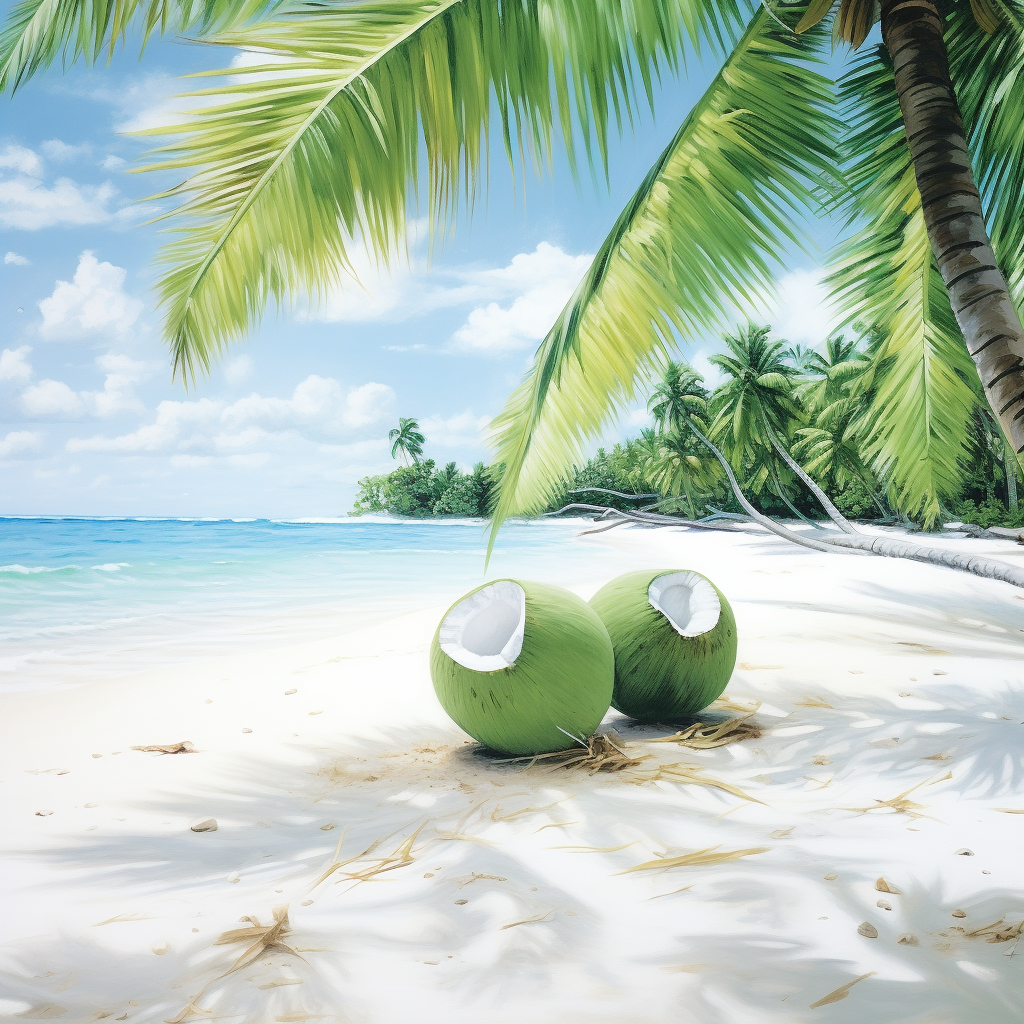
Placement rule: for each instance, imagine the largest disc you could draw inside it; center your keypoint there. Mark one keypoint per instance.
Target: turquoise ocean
(85, 598)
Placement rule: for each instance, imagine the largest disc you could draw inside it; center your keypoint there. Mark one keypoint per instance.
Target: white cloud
(112, 163)
(541, 281)
(26, 203)
(95, 301)
(534, 286)
(62, 152)
(367, 404)
(712, 375)
(17, 259)
(319, 409)
(464, 430)
(53, 399)
(18, 158)
(14, 365)
(238, 369)
(801, 312)
(20, 444)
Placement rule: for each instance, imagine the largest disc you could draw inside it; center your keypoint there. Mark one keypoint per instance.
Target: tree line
(778, 409)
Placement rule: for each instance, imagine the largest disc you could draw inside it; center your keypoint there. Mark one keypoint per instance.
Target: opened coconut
(674, 637)
(523, 667)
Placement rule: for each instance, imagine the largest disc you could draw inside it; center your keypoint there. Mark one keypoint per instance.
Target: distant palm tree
(407, 439)
(799, 356)
(756, 404)
(446, 477)
(757, 408)
(678, 395)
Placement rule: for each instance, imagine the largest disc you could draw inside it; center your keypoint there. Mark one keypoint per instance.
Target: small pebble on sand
(43, 814)
(459, 903)
(964, 852)
(959, 913)
(907, 939)
(326, 828)
(209, 700)
(306, 903)
(831, 878)
(97, 755)
(884, 904)
(234, 877)
(868, 930)
(289, 692)
(247, 730)
(204, 825)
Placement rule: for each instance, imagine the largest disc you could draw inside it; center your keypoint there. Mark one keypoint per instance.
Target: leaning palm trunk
(834, 514)
(889, 547)
(1010, 469)
(912, 31)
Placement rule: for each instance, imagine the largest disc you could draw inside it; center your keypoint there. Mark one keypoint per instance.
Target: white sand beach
(504, 897)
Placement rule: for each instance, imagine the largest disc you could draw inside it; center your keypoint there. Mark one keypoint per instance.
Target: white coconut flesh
(484, 631)
(687, 600)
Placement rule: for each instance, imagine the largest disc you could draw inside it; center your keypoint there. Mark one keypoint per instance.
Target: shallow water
(80, 598)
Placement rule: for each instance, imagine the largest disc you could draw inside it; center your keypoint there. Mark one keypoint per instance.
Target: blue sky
(91, 423)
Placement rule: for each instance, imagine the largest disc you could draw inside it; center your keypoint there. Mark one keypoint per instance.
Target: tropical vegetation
(777, 411)
(352, 110)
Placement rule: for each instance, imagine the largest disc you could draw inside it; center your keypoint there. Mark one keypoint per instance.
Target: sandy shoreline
(511, 906)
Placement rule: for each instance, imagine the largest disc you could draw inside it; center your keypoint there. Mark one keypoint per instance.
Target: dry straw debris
(181, 747)
(696, 859)
(840, 993)
(900, 803)
(704, 736)
(602, 752)
(260, 939)
(997, 932)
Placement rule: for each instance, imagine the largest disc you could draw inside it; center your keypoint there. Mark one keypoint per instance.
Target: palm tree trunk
(1010, 469)
(833, 513)
(792, 508)
(912, 33)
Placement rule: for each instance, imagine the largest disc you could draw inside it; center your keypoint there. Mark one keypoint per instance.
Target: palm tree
(756, 404)
(407, 439)
(321, 140)
(679, 394)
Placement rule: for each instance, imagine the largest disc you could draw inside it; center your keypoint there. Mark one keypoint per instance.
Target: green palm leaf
(923, 386)
(320, 142)
(988, 76)
(707, 223)
(37, 32)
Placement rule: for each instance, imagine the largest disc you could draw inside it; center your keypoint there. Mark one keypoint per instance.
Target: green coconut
(674, 637)
(523, 667)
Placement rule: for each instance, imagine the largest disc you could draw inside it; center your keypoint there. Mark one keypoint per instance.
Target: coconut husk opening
(689, 602)
(484, 631)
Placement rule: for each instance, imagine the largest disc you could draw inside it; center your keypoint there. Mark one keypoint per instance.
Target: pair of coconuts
(527, 668)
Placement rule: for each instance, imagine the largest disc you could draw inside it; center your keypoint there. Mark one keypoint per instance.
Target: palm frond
(988, 76)
(922, 389)
(37, 32)
(324, 139)
(706, 224)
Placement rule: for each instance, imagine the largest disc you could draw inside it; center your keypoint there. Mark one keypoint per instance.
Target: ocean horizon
(86, 597)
